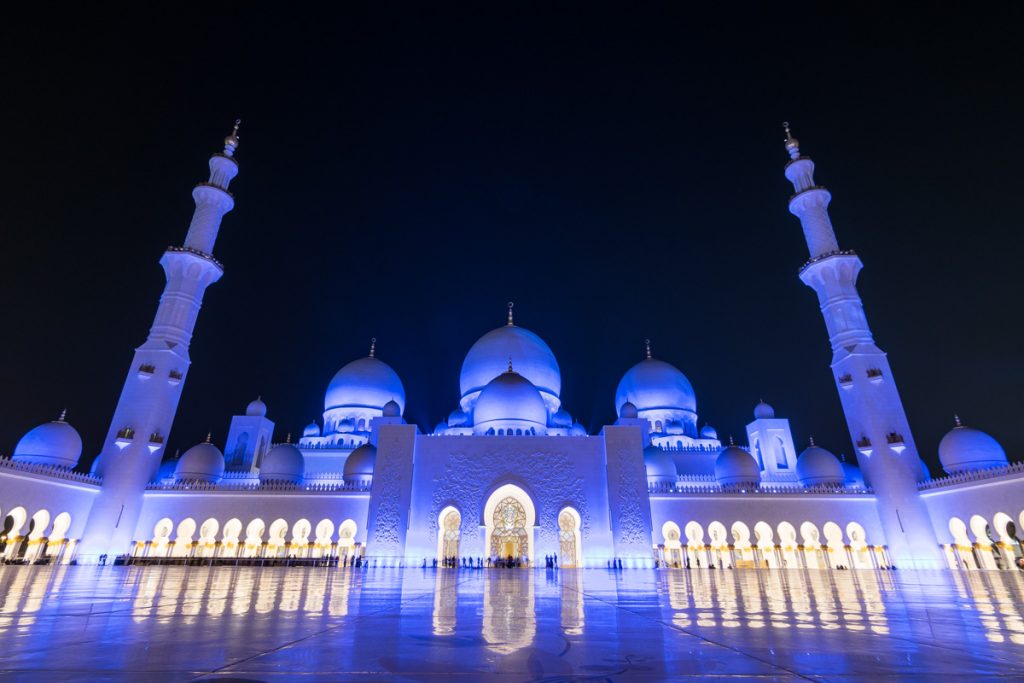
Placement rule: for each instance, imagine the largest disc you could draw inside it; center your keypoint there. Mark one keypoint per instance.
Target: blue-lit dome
(51, 443)
(203, 462)
(736, 467)
(660, 392)
(510, 401)
(391, 409)
(312, 429)
(965, 448)
(561, 419)
(360, 463)
(708, 432)
(853, 477)
(365, 383)
(256, 408)
(661, 466)
(489, 356)
(817, 466)
(763, 411)
(627, 411)
(284, 462)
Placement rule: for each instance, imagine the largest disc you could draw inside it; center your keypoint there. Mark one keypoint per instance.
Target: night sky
(618, 175)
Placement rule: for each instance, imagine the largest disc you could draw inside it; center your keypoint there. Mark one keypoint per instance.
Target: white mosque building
(510, 474)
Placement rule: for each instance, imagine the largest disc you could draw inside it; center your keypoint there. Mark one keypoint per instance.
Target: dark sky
(619, 175)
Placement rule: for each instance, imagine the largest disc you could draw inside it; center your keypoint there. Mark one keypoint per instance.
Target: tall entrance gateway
(509, 517)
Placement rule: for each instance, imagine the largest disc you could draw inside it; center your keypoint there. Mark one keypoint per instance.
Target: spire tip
(510, 305)
(373, 347)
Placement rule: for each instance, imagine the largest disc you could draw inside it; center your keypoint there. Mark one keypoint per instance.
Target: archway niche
(509, 519)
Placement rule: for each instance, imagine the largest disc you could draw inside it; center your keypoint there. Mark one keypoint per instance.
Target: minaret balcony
(156, 442)
(896, 442)
(174, 378)
(875, 375)
(146, 370)
(864, 446)
(124, 437)
(846, 381)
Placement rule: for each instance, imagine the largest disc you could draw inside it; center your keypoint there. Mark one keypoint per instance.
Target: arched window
(780, 454)
(757, 452)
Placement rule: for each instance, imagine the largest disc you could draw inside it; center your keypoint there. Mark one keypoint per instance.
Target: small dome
(661, 466)
(965, 448)
(735, 467)
(365, 383)
(284, 462)
(360, 462)
(202, 462)
(708, 432)
(488, 358)
(818, 466)
(561, 419)
(312, 429)
(509, 397)
(256, 409)
(852, 476)
(457, 418)
(763, 411)
(51, 443)
(923, 473)
(166, 470)
(392, 409)
(660, 392)
(578, 429)
(628, 411)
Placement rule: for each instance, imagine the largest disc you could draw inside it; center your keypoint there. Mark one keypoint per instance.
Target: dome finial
(792, 144)
(510, 305)
(731, 442)
(209, 437)
(647, 348)
(63, 414)
(956, 418)
(510, 364)
(373, 347)
(810, 439)
(231, 141)
(288, 439)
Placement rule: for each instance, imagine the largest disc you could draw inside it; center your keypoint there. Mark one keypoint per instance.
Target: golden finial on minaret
(510, 305)
(373, 347)
(231, 141)
(792, 144)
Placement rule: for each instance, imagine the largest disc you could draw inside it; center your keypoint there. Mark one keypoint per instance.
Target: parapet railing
(265, 487)
(973, 475)
(52, 471)
(676, 489)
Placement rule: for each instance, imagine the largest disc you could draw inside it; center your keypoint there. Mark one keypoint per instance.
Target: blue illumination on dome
(660, 393)
(510, 402)
(365, 383)
(489, 356)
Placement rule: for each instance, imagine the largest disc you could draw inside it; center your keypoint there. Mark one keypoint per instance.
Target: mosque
(510, 473)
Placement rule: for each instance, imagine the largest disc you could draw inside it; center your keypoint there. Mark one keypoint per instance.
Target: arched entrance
(570, 553)
(448, 535)
(509, 517)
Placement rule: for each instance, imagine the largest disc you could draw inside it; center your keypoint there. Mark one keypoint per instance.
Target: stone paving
(277, 624)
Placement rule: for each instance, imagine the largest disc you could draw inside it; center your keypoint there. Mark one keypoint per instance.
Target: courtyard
(247, 623)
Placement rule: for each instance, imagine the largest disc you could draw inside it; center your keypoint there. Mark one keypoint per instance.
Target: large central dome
(489, 357)
(365, 383)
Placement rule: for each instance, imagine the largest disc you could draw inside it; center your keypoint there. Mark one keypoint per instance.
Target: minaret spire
(810, 202)
(874, 413)
(156, 377)
(510, 305)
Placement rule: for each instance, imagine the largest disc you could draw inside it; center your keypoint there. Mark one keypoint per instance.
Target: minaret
(133, 448)
(867, 390)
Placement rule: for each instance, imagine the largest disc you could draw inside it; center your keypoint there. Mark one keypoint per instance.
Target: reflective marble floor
(178, 623)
